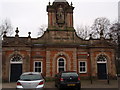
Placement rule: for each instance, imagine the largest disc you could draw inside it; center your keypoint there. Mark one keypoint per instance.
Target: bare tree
(115, 31)
(6, 27)
(42, 29)
(99, 24)
(83, 32)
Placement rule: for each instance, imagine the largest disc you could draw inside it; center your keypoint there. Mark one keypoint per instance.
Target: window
(16, 59)
(82, 67)
(38, 66)
(68, 74)
(61, 64)
(30, 77)
(102, 59)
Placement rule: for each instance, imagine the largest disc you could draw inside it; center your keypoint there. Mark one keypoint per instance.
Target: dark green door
(16, 71)
(102, 72)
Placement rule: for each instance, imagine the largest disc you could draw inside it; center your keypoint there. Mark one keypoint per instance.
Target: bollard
(91, 79)
(118, 78)
(108, 80)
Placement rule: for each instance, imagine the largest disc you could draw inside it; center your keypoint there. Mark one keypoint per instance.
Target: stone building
(58, 49)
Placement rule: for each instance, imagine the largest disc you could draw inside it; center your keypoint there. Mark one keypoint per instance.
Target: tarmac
(84, 84)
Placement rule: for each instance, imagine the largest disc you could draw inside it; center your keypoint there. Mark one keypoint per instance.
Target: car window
(69, 74)
(30, 77)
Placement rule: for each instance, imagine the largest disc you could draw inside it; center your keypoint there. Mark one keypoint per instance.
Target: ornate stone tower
(60, 15)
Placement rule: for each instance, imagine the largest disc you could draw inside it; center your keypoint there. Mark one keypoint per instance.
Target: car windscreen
(69, 74)
(30, 77)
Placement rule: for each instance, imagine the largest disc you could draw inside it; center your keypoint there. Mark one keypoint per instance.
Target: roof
(68, 72)
(60, 1)
(26, 73)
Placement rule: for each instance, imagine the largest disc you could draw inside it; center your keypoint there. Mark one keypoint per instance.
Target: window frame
(58, 64)
(41, 66)
(84, 66)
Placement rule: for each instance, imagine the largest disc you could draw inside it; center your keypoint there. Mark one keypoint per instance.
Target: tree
(42, 29)
(83, 32)
(6, 27)
(115, 31)
(99, 24)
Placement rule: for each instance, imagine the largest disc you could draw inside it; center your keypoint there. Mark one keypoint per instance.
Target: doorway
(15, 68)
(102, 67)
(102, 72)
(16, 71)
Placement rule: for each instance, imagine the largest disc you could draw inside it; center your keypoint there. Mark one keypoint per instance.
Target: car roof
(68, 72)
(26, 73)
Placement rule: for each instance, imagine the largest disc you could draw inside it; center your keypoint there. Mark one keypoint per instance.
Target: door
(102, 72)
(16, 71)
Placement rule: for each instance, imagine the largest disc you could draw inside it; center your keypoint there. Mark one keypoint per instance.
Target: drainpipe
(91, 81)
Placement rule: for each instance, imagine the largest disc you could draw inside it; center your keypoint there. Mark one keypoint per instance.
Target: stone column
(74, 60)
(47, 63)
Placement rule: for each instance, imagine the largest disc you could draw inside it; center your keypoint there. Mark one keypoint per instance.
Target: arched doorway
(61, 64)
(102, 67)
(15, 68)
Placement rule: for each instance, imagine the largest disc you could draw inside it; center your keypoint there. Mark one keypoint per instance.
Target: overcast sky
(29, 15)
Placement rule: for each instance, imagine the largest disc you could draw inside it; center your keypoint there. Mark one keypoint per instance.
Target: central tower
(60, 15)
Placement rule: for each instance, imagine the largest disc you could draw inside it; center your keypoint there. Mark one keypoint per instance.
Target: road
(67, 89)
(86, 85)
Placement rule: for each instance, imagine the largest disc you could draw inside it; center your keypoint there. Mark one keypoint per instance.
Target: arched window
(16, 59)
(61, 64)
(102, 59)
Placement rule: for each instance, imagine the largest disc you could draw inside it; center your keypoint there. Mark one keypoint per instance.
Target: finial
(29, 34)
(71, 3)
(49, 2)
(17, 31)
(90, 36)
(101, 31)
(110, 36)
(5, 34)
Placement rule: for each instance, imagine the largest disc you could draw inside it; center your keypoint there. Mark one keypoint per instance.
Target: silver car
(30, 80)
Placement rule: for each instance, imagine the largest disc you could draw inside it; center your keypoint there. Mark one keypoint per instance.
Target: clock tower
(60, 15)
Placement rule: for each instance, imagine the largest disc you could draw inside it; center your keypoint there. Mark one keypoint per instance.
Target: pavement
(84, 84)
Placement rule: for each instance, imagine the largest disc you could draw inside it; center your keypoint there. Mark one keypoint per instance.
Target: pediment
(102, 43)
(15, 42)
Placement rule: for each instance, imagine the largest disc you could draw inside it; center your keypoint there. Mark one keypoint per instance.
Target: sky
(29, 15)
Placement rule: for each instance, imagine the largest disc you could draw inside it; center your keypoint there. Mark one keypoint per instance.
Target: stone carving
(16, 58)
(102, 58)
(60, 15)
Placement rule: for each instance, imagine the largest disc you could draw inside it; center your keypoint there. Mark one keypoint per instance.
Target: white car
(31, 80)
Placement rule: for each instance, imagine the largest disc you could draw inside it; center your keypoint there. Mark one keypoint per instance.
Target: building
(59, 49)
(119, 12)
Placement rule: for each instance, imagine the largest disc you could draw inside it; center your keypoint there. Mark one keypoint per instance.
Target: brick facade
(59, 41)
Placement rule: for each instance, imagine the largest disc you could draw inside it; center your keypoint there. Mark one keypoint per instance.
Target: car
(31, 80)
(68, 79)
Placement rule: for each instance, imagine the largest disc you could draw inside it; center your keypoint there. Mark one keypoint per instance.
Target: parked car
(30, 80)
(67, 79)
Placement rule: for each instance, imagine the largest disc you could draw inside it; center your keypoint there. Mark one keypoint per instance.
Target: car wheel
(78, 88)
(55, 85)
(60, 88)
